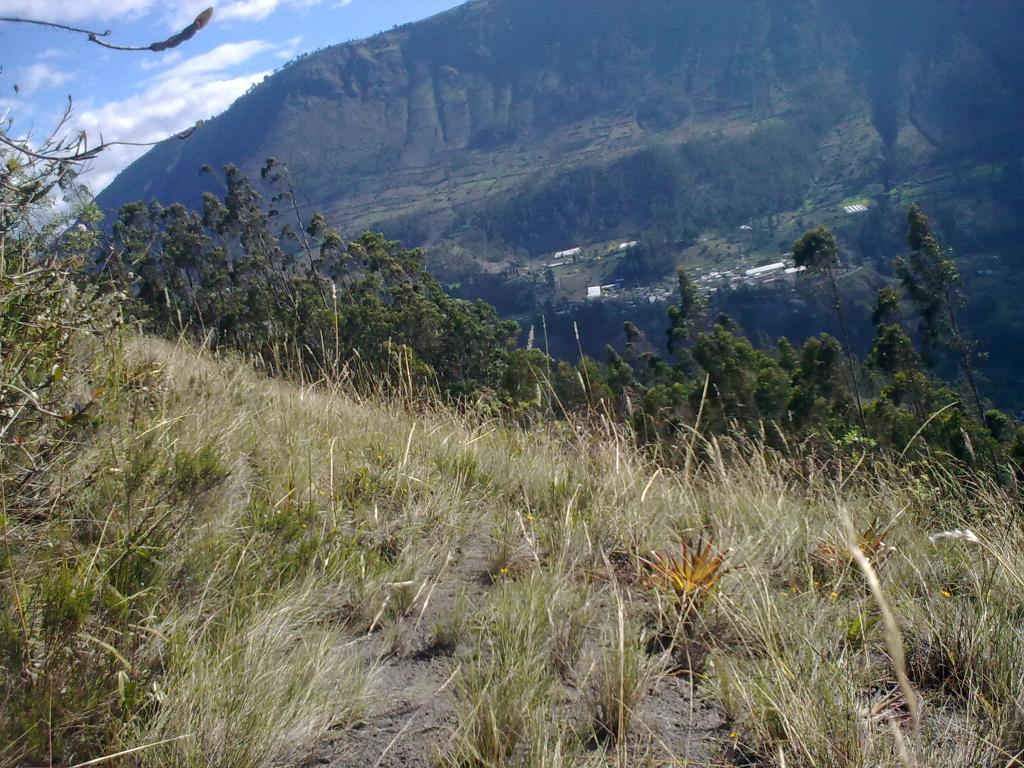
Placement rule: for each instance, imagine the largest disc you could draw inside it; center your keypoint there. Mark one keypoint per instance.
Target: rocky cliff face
(464, 125)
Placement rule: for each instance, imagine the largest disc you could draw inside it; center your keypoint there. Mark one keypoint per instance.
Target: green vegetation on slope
(221, 569)
(468, 111)
(301, 300)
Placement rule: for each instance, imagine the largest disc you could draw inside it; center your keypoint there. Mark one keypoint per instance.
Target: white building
(627, 246)
(767, 269)
(594, 292)
(570, 252)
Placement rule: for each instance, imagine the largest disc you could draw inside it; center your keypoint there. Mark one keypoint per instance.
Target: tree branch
(94, 37)
(82, 155)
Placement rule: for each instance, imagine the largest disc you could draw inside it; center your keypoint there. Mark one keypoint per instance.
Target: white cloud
(220, 58)
(61, 10)
(172, 101)
(161, 61)
(16, 113)
(179, 89)
(249, 10)
(166, 108)
(6, 107)
(289, 48)
(239, 10)
(38, 76)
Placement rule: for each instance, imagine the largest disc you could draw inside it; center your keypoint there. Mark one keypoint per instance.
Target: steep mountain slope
(529, 124)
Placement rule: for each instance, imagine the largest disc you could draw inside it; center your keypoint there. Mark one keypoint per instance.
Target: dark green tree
(1017, 451)
(820, 397)
(687, 316)
(931, 282)
(745, 386)
(893, 355)
(231, 277)
(818, 252)
(887, 307)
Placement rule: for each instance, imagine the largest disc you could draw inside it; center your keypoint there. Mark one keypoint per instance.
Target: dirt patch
(416, 714)
(412, 725)
(675, 726)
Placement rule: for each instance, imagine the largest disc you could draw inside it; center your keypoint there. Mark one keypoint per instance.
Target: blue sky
(148, 96)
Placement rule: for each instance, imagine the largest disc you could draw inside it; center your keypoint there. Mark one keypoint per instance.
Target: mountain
(503, 131)
(533, 123)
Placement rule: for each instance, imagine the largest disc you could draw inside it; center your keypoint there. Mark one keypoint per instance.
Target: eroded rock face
(469, 121)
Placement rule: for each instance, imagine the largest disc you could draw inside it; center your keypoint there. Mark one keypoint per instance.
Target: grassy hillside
(218, 569)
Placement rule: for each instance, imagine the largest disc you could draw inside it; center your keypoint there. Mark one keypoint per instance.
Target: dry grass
(622, 671)
(261, 691)
(219, 551)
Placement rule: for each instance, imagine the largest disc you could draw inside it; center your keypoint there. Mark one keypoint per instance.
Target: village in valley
(745, 257)
(588, 273)
(707, 282)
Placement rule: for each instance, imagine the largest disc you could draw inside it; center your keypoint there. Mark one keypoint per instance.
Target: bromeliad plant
(683, 582)
(832, 559)
(690, 576)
